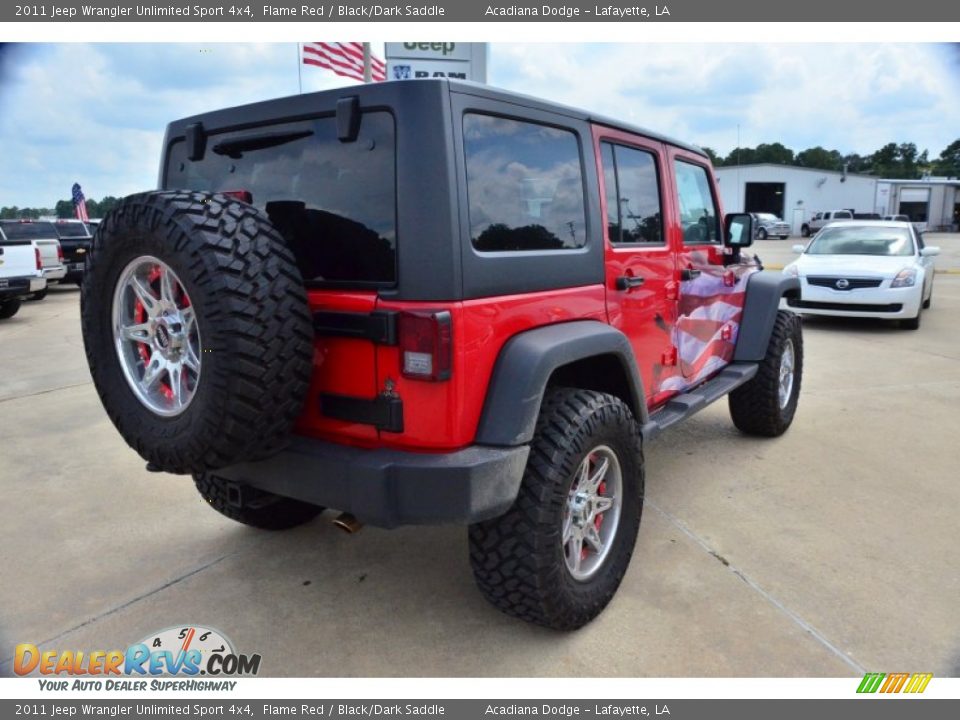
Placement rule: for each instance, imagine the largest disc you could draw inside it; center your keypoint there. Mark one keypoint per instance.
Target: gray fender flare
(525, 365)
(764, 290)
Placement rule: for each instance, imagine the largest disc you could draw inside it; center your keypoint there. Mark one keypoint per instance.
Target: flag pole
(299, 70)
(367, 74)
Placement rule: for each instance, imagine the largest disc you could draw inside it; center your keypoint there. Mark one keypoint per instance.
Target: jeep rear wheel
(557, 557)
(766, 404)
(251, 506)
(197, 329)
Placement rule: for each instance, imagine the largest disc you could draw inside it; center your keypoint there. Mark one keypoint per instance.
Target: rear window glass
(72, 230)
(29, 231)
(334, 202)
(525, 185)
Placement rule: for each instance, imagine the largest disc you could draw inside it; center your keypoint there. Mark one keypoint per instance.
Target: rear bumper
(55, 272)
(387, 488)
(20, 287)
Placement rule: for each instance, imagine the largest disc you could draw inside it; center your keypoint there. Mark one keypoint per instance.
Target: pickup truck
(75, 238)
(20, 276)
(44, 239)
(813, 226)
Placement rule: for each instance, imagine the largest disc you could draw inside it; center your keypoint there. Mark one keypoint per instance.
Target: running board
(689, 403)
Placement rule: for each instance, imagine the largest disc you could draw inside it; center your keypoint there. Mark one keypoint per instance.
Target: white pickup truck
(43, 236)
(20, 274)
(814, 224)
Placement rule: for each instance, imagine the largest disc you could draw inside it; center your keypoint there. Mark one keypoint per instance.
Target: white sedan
(865, 269)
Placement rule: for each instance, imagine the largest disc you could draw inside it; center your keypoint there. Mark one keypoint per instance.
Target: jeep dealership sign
(411, 60)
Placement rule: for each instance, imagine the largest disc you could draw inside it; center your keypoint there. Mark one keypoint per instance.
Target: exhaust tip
(348, 523)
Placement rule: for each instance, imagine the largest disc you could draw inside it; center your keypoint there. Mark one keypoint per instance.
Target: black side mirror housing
(738, 230)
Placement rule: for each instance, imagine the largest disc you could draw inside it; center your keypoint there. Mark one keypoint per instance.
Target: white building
(796, 194)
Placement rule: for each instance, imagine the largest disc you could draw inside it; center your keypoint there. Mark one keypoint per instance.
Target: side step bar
(689, 403)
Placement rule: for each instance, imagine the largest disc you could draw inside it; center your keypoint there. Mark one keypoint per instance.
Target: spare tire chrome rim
(787, 361)
(592, 513)
(156, 335)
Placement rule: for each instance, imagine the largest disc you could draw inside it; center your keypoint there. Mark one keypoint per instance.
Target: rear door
(642, 291)
(711, 292)
(335, 204)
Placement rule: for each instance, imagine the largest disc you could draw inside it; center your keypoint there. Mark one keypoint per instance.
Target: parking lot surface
(827, 552)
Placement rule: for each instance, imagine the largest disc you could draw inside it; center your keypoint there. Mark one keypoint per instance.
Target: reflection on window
(633, 195)
(698, 213)
(525, 185)
(334, 202)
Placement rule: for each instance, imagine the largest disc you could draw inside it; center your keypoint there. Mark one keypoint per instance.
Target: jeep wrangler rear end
(433, 302)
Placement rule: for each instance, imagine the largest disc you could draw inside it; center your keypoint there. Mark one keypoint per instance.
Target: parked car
(897, 218)
(43, 237)
(434, 302)
(821, 219)
(875, 269)
(75, 239)
(768, 224)
(20, 274)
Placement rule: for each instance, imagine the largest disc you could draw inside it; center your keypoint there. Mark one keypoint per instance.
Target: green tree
(741, 156)
(107, 203)
(715, 159)
(949, 161)
(774, 153)
(820, 158)
(64, 209)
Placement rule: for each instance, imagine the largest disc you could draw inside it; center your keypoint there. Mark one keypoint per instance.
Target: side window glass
(698, 211)
(636, 205)
(614, 229)
(524, 185)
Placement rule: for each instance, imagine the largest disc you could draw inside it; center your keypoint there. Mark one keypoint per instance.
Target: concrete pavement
(827, 552)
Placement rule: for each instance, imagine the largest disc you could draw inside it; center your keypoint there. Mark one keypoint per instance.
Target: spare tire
(197, 329)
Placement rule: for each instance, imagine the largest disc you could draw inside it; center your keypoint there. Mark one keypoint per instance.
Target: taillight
(60, 252)
(36, 254)
(426, 345)
(241, 195)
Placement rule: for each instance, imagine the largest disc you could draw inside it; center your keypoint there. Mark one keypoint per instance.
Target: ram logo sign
(894, 682)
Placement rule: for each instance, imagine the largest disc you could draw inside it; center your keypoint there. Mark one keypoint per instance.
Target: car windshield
(768, 217)
(72, 230)
(862, 240)
(29, 230)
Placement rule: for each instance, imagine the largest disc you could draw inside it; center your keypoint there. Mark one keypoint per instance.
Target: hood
(854, 265)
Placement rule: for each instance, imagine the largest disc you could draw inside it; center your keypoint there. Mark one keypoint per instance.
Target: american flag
(344, 59)
(79, 203)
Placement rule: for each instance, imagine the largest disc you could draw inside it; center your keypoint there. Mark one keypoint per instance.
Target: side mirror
(798, 248)
(738, 230)
(930, 251)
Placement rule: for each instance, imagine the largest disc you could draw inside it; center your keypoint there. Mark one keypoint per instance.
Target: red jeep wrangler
(434, 302)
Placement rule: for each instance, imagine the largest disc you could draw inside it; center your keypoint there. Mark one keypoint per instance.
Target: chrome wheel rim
(156, 336)
(787, 361)
(591, 516)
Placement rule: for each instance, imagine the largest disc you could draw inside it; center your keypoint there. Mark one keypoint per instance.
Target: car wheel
(929, 300)
(805, 231)
(39, 295)
(766, 404)
(761, 234)
(9, 308)
(197, 329)
(783, 237)
(557, 557)
(914, 322)
(251, 506)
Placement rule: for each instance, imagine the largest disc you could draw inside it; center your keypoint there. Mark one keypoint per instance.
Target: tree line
(903, 161)
(62, 210)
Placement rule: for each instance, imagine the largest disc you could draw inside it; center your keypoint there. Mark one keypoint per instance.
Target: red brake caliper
(139, 314)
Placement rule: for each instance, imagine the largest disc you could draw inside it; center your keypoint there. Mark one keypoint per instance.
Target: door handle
(689, 274)
(625, 282)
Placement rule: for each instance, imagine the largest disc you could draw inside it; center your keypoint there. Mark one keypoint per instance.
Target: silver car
(768, 224)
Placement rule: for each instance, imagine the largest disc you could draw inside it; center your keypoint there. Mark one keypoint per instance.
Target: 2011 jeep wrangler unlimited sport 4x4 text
(434, 302)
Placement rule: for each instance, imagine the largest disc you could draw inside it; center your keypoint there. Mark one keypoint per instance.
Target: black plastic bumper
(387, 488)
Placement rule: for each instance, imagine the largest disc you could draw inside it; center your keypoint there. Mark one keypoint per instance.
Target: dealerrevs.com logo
(182, 651)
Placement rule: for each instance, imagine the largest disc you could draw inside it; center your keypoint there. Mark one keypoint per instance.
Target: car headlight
(792, 270)
(905, 278)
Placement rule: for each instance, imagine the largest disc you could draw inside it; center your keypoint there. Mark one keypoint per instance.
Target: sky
(95, 113)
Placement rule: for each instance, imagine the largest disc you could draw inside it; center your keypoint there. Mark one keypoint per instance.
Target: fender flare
(524, 367)
(764, 290)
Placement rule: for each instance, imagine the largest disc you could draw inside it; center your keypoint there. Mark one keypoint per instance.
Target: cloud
(95, 113)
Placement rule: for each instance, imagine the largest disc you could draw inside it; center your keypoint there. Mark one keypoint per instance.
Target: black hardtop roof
(298, 105)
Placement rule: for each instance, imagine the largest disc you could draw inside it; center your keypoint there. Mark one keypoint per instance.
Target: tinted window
(72, 230)
(633, 199)
(334, 202)
(525, 185)
(29, 231)
(698, 212)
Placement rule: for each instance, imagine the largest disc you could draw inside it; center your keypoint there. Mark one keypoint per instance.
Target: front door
(711, 290)
(642, 291)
